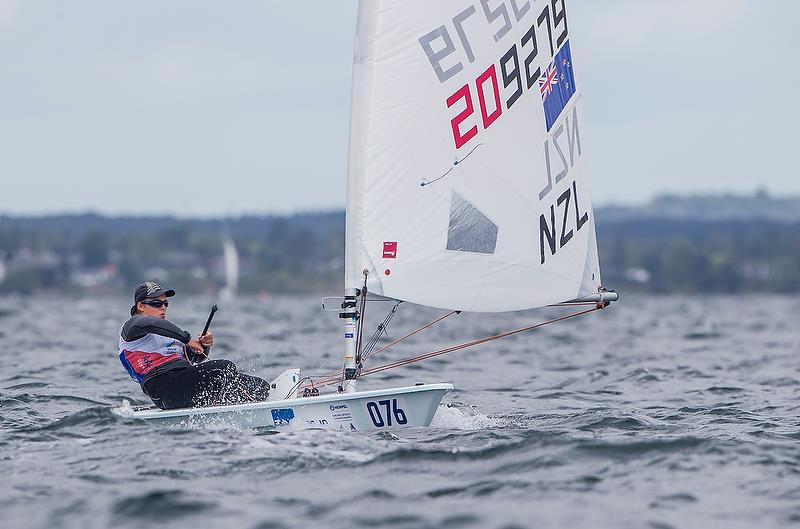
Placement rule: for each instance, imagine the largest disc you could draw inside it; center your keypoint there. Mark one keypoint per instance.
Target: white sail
(466, 181)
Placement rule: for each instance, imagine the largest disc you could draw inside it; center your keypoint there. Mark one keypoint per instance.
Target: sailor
(156, 354)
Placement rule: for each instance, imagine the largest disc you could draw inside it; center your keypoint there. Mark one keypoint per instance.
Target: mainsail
(466, 186)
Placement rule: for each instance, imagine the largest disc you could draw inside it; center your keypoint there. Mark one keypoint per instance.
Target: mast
(360, 105)
(350, 316)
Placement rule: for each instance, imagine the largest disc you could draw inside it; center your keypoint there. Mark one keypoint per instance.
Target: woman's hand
(206, 339)
(195, 346)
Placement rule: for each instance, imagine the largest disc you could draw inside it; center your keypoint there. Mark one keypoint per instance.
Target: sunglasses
(157, 303)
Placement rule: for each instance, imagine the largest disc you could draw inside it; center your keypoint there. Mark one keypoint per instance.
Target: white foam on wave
(124, 410)
(453, 418)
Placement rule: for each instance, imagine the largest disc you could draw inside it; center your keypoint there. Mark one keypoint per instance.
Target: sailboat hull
(385, 409)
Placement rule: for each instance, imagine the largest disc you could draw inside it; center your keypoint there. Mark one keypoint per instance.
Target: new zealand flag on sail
(557, 84)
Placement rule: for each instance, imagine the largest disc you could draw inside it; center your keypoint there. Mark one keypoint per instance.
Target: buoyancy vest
(151, 354)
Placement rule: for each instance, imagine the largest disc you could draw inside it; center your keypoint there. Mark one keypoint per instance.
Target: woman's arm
(140, 326)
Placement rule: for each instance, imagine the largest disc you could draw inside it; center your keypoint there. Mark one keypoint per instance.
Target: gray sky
(201, 108)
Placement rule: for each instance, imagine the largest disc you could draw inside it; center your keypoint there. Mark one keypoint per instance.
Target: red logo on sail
(390, 250)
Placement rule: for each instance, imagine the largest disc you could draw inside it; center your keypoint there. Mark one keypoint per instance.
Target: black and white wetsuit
(152, 351)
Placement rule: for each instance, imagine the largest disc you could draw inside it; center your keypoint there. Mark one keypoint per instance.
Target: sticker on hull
(341, 412)
(282, 416)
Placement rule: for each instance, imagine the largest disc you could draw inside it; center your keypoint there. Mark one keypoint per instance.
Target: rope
(409, 335)
(472, 343)
(380, 331)
(455, 163)
(339, 377)
(464, 345)
(361, 320)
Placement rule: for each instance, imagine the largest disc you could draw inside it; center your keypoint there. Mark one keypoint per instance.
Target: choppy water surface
(668, 412)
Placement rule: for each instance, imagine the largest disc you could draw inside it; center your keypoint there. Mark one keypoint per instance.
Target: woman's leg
(238, 387)
(175, 389)
(209, 383)
(257, 388)
(218, 380)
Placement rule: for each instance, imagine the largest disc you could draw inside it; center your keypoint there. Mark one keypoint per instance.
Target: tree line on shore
(305, 253)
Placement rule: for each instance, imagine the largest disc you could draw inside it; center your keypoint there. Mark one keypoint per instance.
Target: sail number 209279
(519, 67)
(386, 413)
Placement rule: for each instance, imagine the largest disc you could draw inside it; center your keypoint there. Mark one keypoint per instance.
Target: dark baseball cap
(148, 290)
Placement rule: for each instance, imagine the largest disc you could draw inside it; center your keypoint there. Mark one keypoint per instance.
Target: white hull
(383, 409)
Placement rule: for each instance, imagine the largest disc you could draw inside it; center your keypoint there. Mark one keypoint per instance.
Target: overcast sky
(209, 108)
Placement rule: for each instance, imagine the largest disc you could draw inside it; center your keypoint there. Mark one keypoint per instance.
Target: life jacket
(150, 355)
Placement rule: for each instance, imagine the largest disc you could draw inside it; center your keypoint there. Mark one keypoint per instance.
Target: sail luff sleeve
(360, 103)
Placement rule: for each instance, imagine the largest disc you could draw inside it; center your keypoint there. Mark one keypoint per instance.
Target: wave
(76, 424)
(629, 449)
(160, 505)
(453, 418)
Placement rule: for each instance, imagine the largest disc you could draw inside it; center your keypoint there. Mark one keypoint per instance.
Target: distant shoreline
(701, 243)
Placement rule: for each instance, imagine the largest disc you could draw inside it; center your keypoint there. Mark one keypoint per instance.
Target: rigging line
(476, 342)
(330, 379)
(323, 381)
(327, 380)
(409, 335)
(342, 374)
(297, 386)
(361, 320)
(455, 163)
(380, 331)
(399, 363)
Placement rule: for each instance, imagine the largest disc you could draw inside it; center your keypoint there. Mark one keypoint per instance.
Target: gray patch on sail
(469, 230)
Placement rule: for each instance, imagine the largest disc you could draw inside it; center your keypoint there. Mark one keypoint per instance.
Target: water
(669, 412)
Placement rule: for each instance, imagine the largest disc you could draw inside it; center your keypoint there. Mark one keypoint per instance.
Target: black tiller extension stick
(214, 310)
(194, 358)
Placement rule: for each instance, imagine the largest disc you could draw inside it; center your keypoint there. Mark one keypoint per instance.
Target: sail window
(470, 230)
